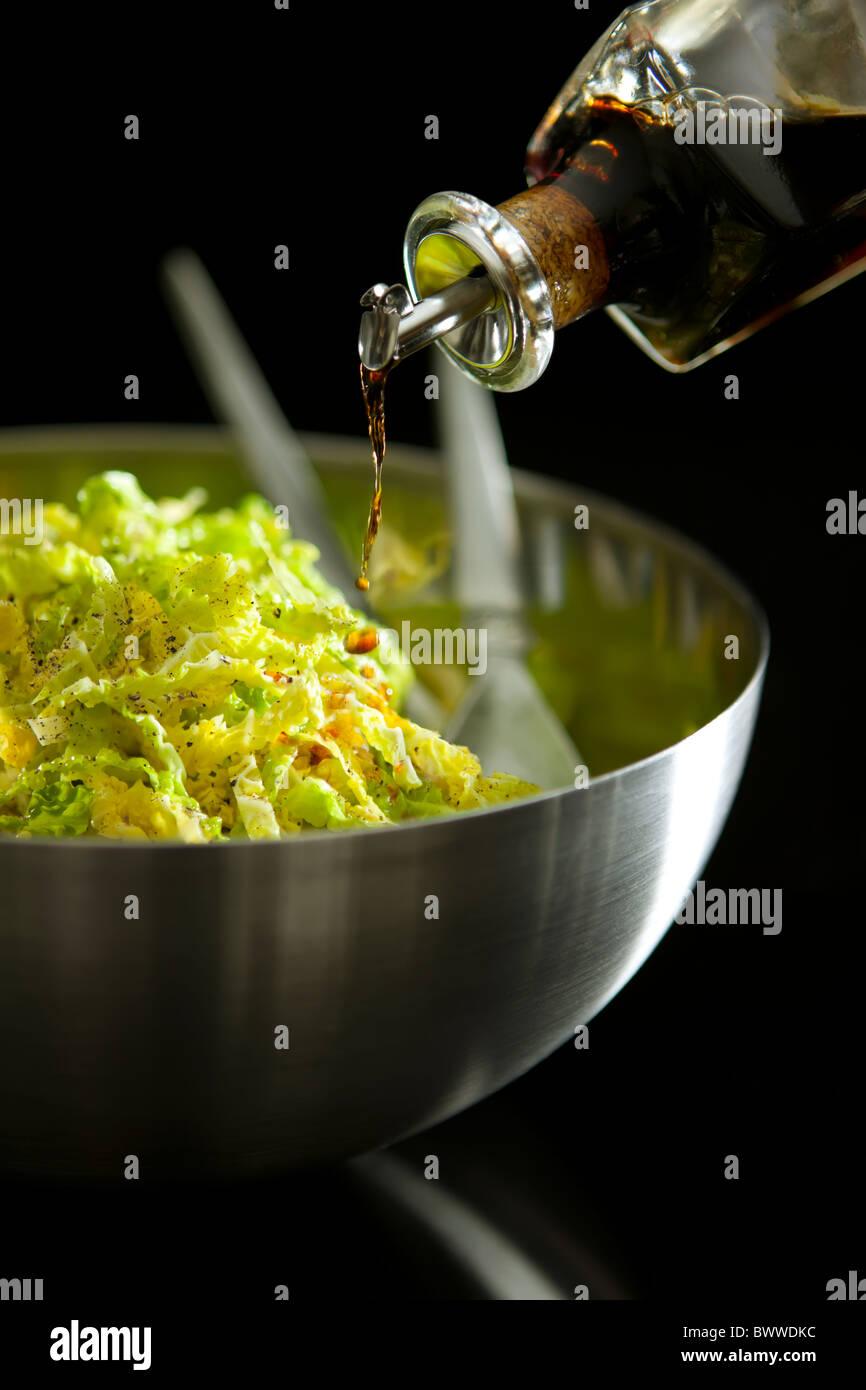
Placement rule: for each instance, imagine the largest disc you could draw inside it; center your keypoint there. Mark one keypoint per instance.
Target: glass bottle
(702, 172)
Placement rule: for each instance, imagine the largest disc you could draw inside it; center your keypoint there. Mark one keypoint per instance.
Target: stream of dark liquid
(373, 389)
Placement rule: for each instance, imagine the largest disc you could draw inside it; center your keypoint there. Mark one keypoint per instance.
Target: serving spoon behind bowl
(504, 717)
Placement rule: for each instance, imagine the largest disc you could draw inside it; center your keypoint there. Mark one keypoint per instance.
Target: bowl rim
(343, 451)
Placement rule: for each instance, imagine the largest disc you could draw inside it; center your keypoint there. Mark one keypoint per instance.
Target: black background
(307, 128)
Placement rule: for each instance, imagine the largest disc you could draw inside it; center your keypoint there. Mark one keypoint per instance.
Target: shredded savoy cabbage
(171, 674)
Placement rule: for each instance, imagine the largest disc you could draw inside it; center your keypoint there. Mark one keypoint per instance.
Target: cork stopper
(567, 244)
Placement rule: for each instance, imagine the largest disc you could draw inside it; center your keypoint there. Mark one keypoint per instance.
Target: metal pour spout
(495, 323)
(393, 326)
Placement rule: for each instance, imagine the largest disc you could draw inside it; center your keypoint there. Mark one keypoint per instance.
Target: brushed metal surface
(155, 1036)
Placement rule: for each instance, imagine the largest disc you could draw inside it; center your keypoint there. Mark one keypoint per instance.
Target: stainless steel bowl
(155, 1036)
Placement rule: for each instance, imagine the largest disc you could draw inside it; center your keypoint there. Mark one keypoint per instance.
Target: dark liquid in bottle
(373, 390)
(708, 242)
